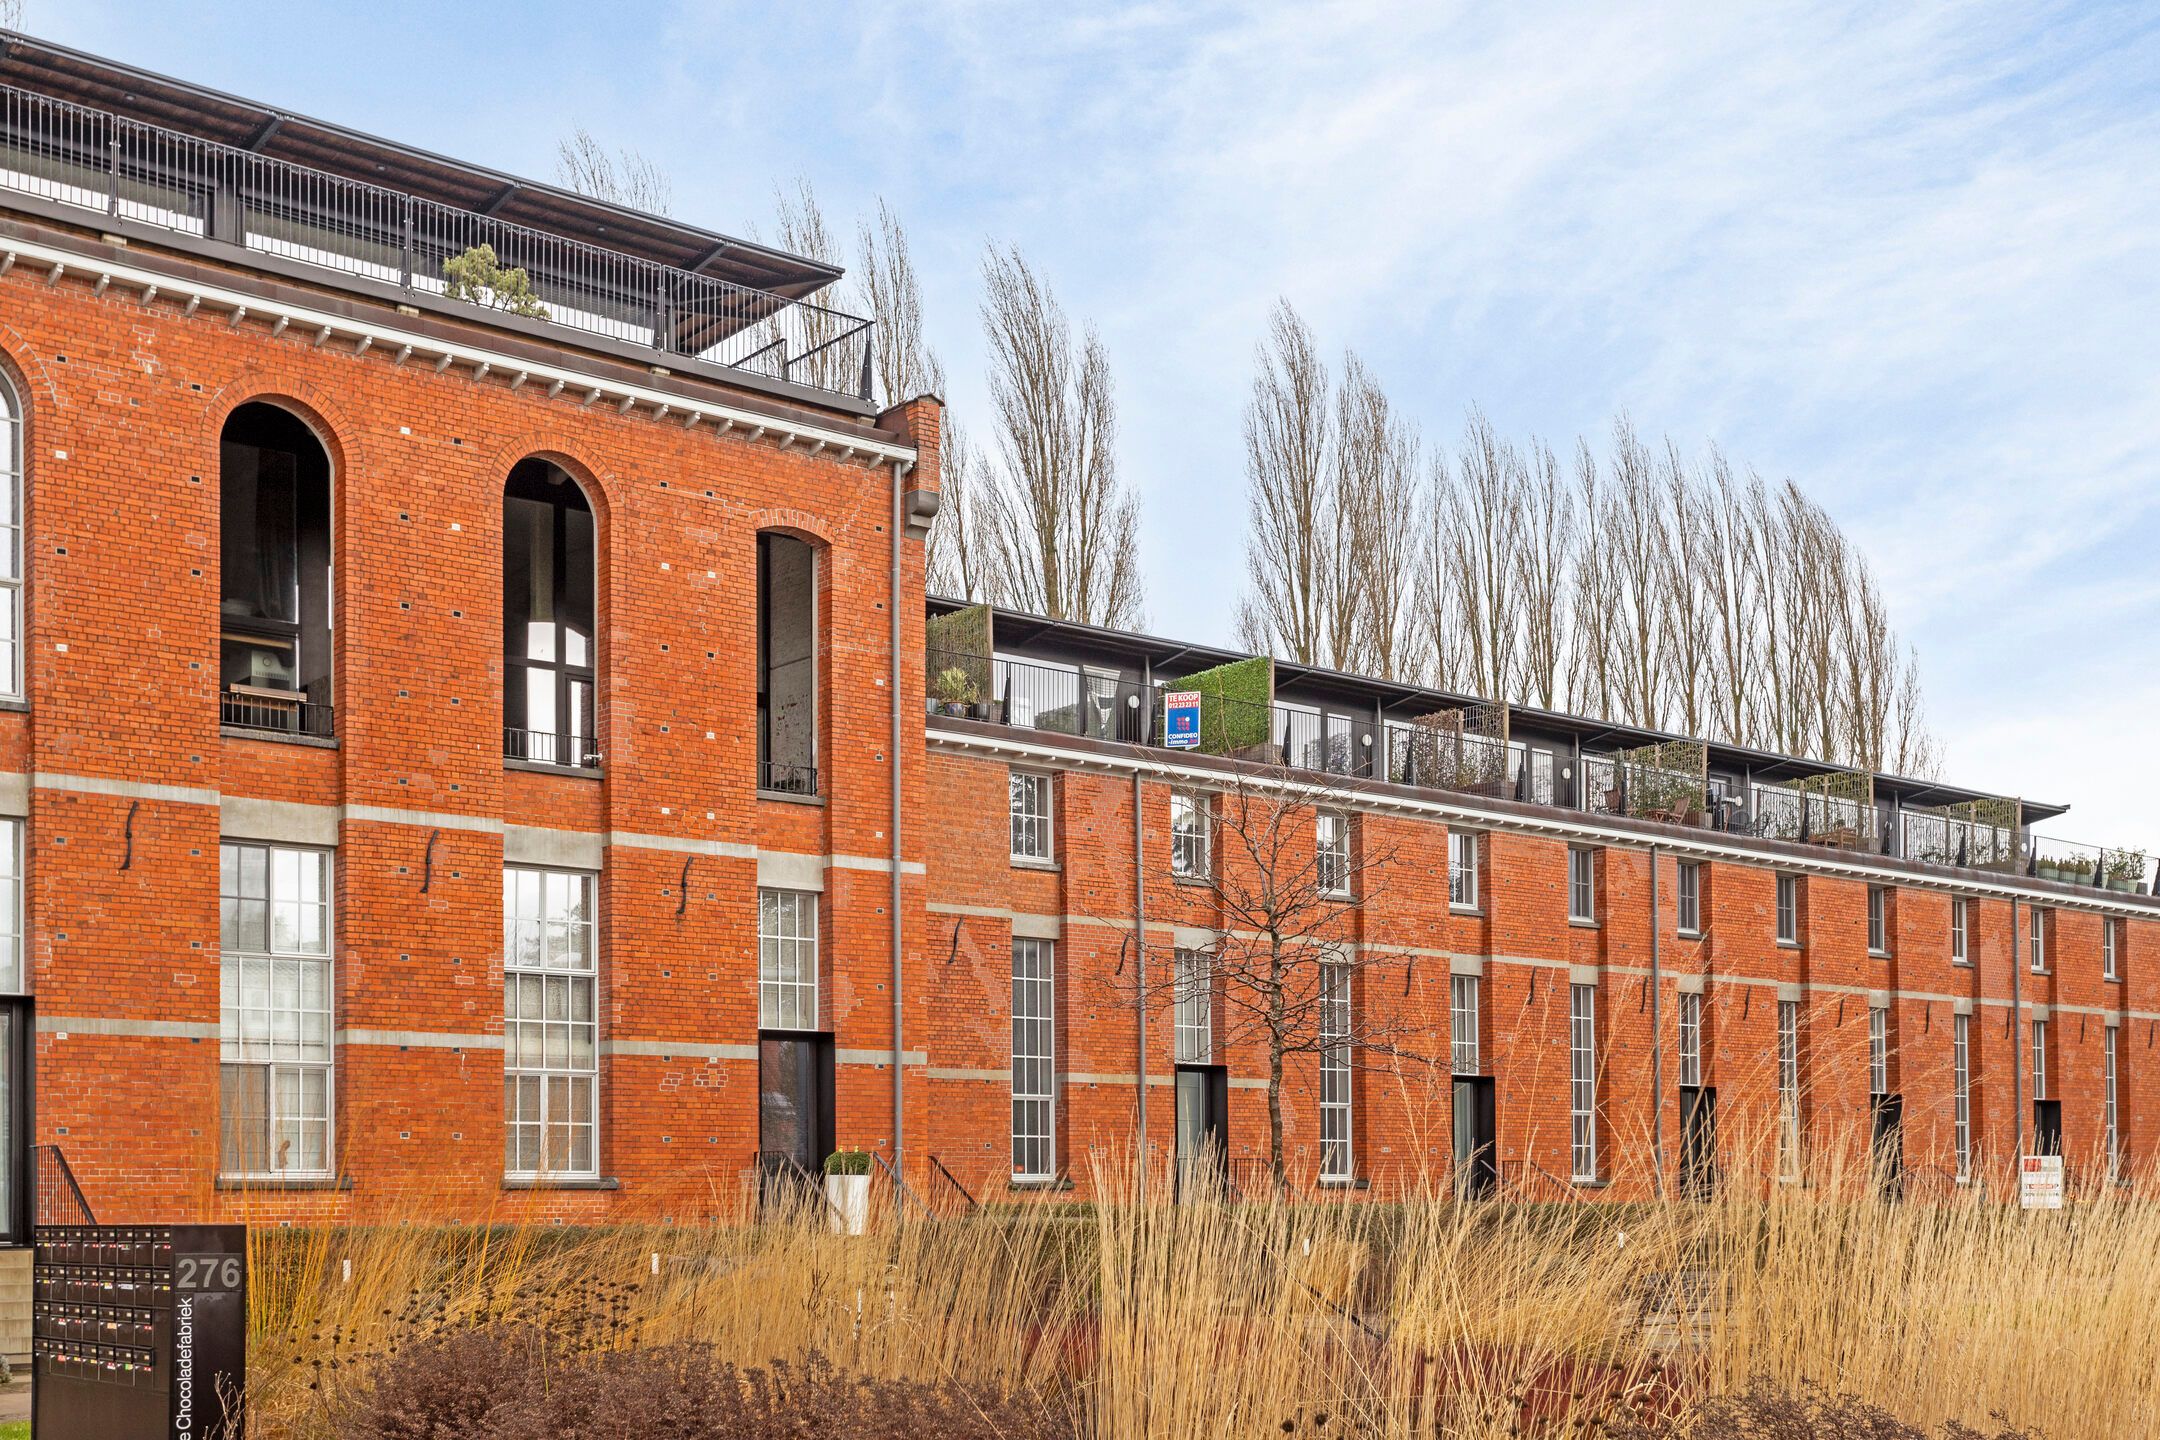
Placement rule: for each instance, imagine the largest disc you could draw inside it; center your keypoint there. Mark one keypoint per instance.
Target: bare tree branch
(620, 177)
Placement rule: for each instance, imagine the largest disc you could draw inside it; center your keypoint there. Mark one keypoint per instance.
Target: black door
(1889, 1144)
(1203, 1128)
(2047, 1127)
(1698, 1141)
(17, 1203)
(1477, 1156)
(795, 1112)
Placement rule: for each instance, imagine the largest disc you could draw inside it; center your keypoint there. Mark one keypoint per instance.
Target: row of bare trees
(1635, 584)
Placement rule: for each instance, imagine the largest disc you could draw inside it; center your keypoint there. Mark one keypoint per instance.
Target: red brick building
(464, 753)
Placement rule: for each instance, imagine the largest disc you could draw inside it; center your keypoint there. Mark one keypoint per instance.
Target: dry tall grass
(1214, 1319)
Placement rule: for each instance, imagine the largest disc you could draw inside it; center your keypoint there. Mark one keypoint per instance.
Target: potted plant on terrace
(847, 1190)
(953, 691)
(2125, 870)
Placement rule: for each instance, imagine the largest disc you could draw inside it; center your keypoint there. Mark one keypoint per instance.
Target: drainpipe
(1139, 920)
(2018, 1058)
(901, 470)
(1657, 1035)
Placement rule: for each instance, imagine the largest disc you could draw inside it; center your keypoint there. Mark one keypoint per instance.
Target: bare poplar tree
(1381, 493)
(1594, 619)
(902, 363)
(620, 177)
(1292, 558)
(1545, 567)
(1732, 580)
(1687, 582)
(1062, 526)
(1482, 520)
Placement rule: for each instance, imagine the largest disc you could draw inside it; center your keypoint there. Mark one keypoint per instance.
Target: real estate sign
(2040, 1182)
(1181, 719)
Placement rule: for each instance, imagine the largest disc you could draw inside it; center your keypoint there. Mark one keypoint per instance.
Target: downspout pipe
(901, 470)
(1657, 1032)
(1140, 1004)
(2018, 1055)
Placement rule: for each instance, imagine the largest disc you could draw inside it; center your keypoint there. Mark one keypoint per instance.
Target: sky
(1907, 255)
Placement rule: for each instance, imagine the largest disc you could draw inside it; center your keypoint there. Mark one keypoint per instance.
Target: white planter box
(848, 1197)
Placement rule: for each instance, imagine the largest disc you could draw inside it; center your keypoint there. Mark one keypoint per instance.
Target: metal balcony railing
(546, 747)
(784, 779)
(107, 164)
(258, 709)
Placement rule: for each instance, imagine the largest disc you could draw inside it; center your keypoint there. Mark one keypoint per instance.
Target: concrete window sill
(562, 1182)
(541, 767)
(787, 797)
(310, 1182)
(278, 737)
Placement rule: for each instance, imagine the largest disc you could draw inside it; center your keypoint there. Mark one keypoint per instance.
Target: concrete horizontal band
(65, 1025)
(418, 1040)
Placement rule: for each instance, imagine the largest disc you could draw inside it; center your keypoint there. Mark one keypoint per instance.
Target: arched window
(786, 665)
(11, 520)
(274, 588)
(548, 631)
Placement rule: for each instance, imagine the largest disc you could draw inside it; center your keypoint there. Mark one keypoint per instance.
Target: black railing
(56, 1196)
(256, 710)
(784, 779)
(1066, 700)
(546, 747)
(93, 160)
(946, 1191)
(784, 1182)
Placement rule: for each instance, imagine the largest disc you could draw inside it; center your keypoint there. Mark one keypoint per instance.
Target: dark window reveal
(787, 665)
(548, 629)
(274, 569)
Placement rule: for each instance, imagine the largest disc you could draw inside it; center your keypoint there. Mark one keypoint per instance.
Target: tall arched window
(548, 631)
(786, 665)
(11, 520)
(274, 588)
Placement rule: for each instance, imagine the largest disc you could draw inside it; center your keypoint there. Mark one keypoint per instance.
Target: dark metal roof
(1019, 628)
(72, 75)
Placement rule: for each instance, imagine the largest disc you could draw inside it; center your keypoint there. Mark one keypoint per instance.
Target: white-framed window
(2109, 1115)
(1788, 1089)
(2039, 1059)
(1338, 1162)
(2110, 932)
(787, 960)
(1878, 920)
(1463, 1024)
(1331, 847)
(1194, 1018)
(1690, 1039)
(1582, 885)
(1462, 857)
(1030, 800)
(1878, 1051)
(11, 911)
(551, 1027)
(1582, 1079)
(11, 521)
(1034, 1050)
(1192, 823)
(1690, 898)
(2039, 931)
(274, 1009)
(1788, 909)
(1960, 930)
(1961, 1092)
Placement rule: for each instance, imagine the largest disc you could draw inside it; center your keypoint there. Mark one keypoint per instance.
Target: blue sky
(1905, 255)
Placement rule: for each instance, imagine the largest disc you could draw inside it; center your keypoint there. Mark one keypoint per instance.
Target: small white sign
(2040, 1183)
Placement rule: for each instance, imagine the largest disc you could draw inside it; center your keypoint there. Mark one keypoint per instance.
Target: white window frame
(1878, 921)
(2110, 1114)
(1691, 1039)
(1961, 1094)
(551, 973)
(1582, 1080)
(1462, 882)
(1192, 834)
(1331, 853)
(1031, 807)
(268, 1037)
(1960, 930)
(787, 949)
(1582, 885)
(1338, 1155)
(1034, 1058)
(2039, 1058)
(1788, 1089)
(13, 977)
(1788, 910)
(2110, 948)
(11, 549)
(1687, 899)
(1193, 1015)
(1878, 1050)
(2037, 934)
(1463, 1056)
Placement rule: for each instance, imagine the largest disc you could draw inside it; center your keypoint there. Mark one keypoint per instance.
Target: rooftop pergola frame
(1666, 780)
(1462, 748)
(1834, 808)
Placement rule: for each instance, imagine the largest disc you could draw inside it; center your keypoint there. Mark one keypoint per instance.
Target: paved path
(15, 1400)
